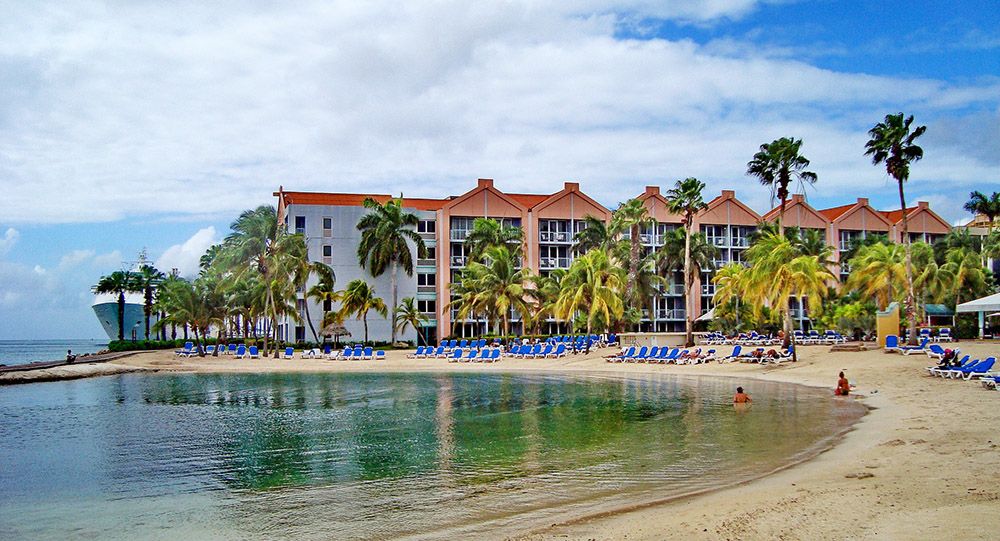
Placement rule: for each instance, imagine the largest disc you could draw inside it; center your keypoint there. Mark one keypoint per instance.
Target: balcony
(740, 242)
(458, 235)
(426, 289)
(428, 236)
(458, 260)
(426, 263)
(675, 314)
(553, 236)
(554, 263)
(717, 241)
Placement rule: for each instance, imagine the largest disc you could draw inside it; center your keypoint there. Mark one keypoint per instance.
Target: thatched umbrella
(336, 330)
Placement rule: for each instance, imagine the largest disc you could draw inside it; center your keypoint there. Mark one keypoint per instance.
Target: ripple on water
(315, 456)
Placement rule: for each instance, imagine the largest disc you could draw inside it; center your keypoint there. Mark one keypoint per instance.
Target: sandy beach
(921, 464)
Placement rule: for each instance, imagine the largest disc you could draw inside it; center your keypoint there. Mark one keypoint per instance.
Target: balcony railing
(458, 261)
(676, 313)
(458, 234)
(426, 289)
(554, 262)
(740, 242)
(426, 263)
(554, 236)
(717, 241)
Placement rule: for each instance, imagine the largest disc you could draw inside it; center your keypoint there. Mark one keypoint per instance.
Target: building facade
(550, 223)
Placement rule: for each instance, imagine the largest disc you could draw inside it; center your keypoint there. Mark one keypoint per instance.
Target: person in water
(740, 397)
(843, 387)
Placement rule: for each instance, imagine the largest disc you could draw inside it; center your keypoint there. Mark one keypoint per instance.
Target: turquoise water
(25, 351)
(363, 456)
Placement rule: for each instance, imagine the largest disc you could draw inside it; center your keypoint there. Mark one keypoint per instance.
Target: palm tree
(686, 200)
(408, 315)
(931, 280)
(496, 286)
(386, 232)
(191, 304)
(148, 279)
(877, 272)
(731, 286)
(120, 283)
(778, 272)
(487, 233)
(257, 245)
(592, 285)
(988, 206)
(632, 216)
(892, 143)
(324, 290)
(967, 272)
(544, 296)
(595, 235)
(776, 165)
(358, 299)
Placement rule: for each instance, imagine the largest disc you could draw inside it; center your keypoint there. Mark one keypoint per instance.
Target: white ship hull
(106, 309)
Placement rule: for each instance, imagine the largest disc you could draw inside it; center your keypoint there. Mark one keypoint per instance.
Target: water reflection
(375, 456)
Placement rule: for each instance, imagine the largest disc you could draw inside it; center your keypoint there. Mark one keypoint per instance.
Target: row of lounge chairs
(475, 356)
(967, 369)
(828, 338)
(744, 339)
(456, 354)
(662, 355)
(757, 355)
(892, 345)
(538, 351)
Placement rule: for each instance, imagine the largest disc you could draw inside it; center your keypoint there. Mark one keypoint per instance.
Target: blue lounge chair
(622, 356)
(380, 355)
(241, 351)
(418, 354)
(254, 353)
(737, 351)
(936, 369)
(980, 369)
(944, 335)
(367, 353)
(471, 356)
(456, 355)
(560, 351)
(892, 343)
(906, 350)
(289, 353)
(188, 350)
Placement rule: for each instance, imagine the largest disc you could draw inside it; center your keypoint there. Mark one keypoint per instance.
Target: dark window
(431, 252)
(427, 306)
(425, 279)
(300, 334)
(300, 224)
(426, 226)
(327, 223)
(327, 250)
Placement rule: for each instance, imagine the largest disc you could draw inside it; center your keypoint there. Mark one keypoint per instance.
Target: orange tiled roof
(529, 200)
(836, 212)
(356, 200)
(895, 216)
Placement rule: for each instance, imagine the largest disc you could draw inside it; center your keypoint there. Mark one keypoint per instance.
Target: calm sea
(25, 351)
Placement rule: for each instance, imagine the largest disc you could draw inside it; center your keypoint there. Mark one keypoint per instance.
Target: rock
(861, 475)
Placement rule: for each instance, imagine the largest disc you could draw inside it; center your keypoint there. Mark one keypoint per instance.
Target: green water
(362, 456)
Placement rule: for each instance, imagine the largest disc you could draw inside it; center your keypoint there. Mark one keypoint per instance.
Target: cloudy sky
(151, 124)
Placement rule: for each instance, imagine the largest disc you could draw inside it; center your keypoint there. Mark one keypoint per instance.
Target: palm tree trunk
(121, 315)
(911, 300)
(633, 265)
(310, 321)
(364, 318)
(395, 294)
(688, 284)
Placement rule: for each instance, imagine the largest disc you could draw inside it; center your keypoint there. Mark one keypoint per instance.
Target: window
(300, 224)
(427, 306)
(300, 334)
(431, 253)
(426, 226)
(327, 227)
(327, 250)
(425, 279)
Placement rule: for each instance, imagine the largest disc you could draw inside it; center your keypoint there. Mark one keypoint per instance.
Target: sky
(130, 125)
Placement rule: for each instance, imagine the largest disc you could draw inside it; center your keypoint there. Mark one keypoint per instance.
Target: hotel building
(550, 223)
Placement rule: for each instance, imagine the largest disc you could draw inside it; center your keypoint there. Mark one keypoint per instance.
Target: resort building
(551, 223)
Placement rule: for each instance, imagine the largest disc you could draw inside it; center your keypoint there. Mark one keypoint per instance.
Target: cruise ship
(106, 308)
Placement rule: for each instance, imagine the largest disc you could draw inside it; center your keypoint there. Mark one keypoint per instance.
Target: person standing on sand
(740, 397)
(843, 386)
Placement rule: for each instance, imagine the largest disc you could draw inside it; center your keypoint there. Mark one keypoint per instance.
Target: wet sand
(921, 465)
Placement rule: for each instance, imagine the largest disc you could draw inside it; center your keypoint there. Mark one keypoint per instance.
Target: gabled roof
(528, 200)
(797, 200)
(486, 184)
(836, 212)
(729, 195)
(896, 216)
(571, 188)
(354, 199)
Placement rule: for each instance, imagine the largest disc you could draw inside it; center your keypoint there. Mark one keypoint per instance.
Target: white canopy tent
(983, 305)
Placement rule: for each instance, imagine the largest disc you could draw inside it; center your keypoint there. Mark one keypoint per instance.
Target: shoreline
(905, 469)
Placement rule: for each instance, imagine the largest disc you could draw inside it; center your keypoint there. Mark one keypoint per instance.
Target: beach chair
(380, 355)
(560, 351)
(311, 353)
(440, 353)
(737, 351)
(546, 351)
(188, 350)
(254, 352)
(892, 343)
(666, 355)
(241, 351)
(418, 354)
(456, 355)
(981, 369)
(495, 355)
(907, 350)
(946, 372)
(358, 353)
(470, 357)
(944, 335)
(640, 355)
(622, 356)
(289, 353)
(933, 370)
(708, 356)
(367, 354)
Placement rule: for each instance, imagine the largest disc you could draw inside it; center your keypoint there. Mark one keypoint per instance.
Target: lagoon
(375, 456)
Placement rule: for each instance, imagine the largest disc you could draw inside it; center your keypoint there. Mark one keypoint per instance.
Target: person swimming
(740, 397)
(843, 386)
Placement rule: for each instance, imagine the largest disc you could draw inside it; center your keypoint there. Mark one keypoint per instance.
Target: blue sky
(123, 126)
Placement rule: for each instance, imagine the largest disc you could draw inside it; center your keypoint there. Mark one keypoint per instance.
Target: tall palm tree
(596, 234)
(776, 165)
(358, 299)
(592, 285)
(544, 296)
(632, 216)
(892, 143)
(487, 233)
(408, 315)
(119, 283)
(731, 286)
(981, 204)
(877, 271)
(686, 200)
(778, 273)
(931, 281)
(148, 279)
(386, 234)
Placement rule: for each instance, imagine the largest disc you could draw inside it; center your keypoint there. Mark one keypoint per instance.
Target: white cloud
(131, 110)
(9, 239)
(186, 256)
